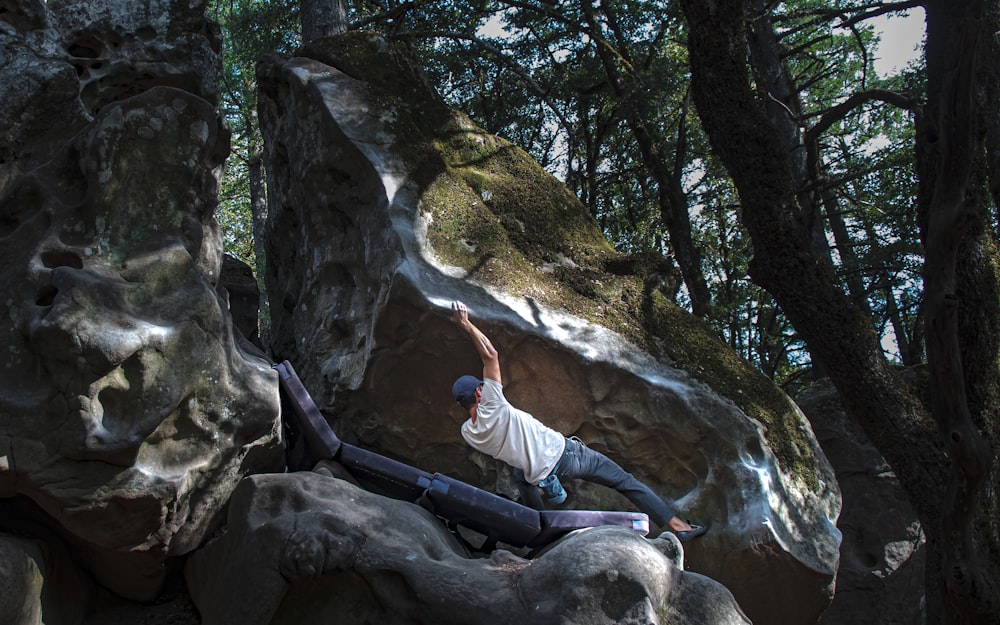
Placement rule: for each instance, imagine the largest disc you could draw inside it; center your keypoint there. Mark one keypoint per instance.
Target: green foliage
(234, 214)
(250, 28)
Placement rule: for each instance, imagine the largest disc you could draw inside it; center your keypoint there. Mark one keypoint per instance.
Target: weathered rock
(315, 549)
(385, 206)
(40, 580)
(39, 89)
(22, 578)
(240, 286)
(128, 412)
(62, 61)
(120, 48)
(881, 575)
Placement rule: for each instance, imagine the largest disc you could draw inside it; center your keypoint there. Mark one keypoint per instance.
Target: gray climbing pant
(583, 463)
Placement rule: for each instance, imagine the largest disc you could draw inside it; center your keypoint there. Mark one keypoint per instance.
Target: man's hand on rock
(460, 313)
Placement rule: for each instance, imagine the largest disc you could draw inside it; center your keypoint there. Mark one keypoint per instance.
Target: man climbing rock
(539, 455)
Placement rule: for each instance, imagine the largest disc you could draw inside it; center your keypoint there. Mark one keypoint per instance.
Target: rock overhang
(616, 361)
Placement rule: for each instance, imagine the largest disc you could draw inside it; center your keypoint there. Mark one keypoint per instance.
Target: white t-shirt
(513, 435)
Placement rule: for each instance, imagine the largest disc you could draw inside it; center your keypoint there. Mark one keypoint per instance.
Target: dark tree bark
(322, 18)
(961, 297)
(907, 328)
(781, 98)
(845, 248)
(991, 96)
(784, 263)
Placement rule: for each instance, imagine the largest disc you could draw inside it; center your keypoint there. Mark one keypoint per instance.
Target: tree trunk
(258, 211)
(909, 338)
(672, 200)
(785, 264)
(322, 18)
(992, 103)
(780, 97)
(909, 353)
(960, 294)
(845, 248)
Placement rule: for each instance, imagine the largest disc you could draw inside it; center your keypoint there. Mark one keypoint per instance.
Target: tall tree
(961, 538)
(961, 294)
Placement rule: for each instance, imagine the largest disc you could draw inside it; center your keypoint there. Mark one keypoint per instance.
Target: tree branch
(842, 110)
(511, 64)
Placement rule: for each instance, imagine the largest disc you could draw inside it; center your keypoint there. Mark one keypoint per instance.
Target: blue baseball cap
(464, 390)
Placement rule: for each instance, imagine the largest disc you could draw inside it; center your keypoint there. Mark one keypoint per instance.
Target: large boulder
(128, 410)
(313, 549)
(881, 574)
(384, 205)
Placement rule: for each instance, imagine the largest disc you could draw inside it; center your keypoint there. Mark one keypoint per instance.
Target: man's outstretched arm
(488, 353)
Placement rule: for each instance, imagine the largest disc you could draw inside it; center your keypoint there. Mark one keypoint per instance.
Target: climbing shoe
(694, 532)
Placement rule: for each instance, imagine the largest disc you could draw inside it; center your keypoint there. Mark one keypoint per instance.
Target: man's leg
(583, 463)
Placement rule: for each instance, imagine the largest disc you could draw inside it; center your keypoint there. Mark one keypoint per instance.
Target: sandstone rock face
(22, 580)
(127, 410)
(881, 575)
(62, 61)
(315, 549)
(385, 206)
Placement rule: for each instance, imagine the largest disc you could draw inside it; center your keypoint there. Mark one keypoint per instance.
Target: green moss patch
(695, 347)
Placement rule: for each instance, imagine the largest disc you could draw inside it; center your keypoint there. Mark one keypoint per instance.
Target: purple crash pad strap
(319, 436)
(555, 523)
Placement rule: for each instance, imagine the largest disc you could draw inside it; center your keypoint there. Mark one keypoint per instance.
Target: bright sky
(901, 40)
